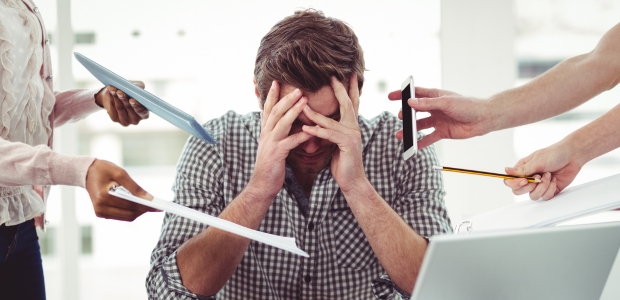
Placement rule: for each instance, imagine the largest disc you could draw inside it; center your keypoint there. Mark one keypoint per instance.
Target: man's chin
(310, 168)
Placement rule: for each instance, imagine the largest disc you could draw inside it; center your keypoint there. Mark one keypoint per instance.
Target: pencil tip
(438, 167)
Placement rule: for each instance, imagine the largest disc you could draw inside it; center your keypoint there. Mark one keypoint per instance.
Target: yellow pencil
(440, 168)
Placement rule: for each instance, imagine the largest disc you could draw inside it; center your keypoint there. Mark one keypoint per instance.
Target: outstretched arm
(562, 161)
(567, 85)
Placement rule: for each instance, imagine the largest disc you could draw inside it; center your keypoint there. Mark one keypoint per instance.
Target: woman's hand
(101, 176)
(120, 107)
(555, 163)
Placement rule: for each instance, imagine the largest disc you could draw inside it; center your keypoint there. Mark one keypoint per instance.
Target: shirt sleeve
(197, 186)
(74, 105)
(420, 202)
(22, 164)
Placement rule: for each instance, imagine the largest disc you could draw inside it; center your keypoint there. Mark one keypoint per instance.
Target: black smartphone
(410, 133)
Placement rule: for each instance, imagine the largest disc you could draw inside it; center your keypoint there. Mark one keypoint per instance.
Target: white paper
(284, 243)
(578, 201)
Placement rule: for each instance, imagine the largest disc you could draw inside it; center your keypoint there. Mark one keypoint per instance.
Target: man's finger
(324, 133)
(324, 121)
(399, 135)
(522, 168)
(552, 190)
(281, 108)
(395, 95)
(428, 140)
(347, 112)
(515, 183)
(425, 123)
(422, 92)
(272, 97)
(283, 127)
(295, 140)
(354, 93)
(428, 104)
(542, 187)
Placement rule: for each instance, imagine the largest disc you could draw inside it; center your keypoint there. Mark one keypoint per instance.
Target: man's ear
(257, 93)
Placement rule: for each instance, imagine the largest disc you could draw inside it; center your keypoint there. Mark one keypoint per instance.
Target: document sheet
(284, 243)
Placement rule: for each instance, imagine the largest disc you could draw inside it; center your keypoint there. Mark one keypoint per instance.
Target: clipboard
(574, 202)
(284, 243)
(154, 104)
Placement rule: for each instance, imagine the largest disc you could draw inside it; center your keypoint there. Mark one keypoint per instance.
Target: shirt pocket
(352, 249)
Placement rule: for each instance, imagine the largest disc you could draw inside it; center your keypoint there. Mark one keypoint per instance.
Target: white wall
(477, 59)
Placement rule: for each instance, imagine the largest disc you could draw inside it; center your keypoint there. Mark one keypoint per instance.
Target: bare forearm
(596, 138)
(399, 248)
(564, 87)
(207, 260)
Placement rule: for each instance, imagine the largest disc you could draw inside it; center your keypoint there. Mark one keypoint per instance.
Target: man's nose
(311, 145)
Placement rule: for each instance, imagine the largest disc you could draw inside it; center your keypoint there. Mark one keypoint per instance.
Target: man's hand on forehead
(347, 166)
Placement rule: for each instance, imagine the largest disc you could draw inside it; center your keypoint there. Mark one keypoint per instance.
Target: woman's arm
(22, 164)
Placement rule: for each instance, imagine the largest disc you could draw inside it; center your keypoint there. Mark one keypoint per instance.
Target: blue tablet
(155, 105)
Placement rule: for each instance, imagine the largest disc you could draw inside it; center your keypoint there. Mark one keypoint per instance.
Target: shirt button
(36, 9)
(307, 279)
(49, 78)
(310, 226)
(47, 42)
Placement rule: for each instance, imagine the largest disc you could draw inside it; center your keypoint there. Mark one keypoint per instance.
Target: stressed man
(309, 167)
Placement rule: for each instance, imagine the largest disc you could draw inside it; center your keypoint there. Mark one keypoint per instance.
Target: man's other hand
(453, 116)
(347, 166)
(556, 165)
(120, 107)
(275, 143)
(101, 176)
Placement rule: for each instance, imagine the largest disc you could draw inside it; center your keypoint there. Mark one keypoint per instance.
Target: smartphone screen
(410, 145)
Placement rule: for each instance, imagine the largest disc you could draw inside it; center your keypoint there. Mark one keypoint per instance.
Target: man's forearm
(399, 248)
(564, 87)
(596, 138)
(207, 260)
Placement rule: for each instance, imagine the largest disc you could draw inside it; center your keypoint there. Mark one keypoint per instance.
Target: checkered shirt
(342, 265)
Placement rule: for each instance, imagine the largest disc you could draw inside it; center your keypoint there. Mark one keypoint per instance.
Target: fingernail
(307, 108)
(149, 196)
(415, 101)
(555, 179)
(305, 127)
(297, 92)
(510, 169)
(523, 182)
(548, 176)
(273, 83)
(132, 102)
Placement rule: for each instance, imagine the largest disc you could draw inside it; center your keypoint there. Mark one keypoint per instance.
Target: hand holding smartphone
(410, 132)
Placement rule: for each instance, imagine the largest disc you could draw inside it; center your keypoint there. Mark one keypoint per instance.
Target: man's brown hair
(305, 50)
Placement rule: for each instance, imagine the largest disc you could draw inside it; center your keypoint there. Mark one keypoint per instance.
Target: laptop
(569, 262)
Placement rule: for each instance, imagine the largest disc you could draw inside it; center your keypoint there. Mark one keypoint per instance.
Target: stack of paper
(585, 199)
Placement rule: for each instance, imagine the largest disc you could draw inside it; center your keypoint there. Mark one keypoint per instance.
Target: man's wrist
(577, 148)
(362, 187)
(492, 118)
(260, 192)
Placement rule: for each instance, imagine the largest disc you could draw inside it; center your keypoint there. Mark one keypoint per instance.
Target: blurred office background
(199, 56)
